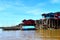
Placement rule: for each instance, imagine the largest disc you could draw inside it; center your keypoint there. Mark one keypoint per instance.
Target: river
(30, 35)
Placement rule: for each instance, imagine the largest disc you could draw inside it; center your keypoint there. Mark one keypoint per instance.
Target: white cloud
(1, 8)
(34, 11)
(41, 4)
(55, 1)
(17, 6)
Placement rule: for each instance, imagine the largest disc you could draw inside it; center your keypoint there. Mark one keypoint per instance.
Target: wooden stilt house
(52, 20)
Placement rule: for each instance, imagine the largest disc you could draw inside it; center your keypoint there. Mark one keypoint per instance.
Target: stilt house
(52, 20)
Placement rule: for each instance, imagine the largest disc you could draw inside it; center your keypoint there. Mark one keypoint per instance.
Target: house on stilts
(51, 20)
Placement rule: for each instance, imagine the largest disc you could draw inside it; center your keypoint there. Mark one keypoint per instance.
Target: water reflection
(30, 35)
(0, 30)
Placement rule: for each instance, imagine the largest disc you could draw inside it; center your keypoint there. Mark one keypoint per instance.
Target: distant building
(29, 22)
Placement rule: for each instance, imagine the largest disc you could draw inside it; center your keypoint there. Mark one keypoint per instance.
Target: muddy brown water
(30, 35)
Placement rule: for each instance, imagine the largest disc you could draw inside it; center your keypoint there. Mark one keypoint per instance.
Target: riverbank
(10, 28)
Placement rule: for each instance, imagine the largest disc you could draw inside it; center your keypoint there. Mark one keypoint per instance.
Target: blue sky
(12, 12)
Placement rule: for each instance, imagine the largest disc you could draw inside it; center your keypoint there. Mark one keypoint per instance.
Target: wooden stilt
(52, 23)
(57, 23)
(49, 23)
